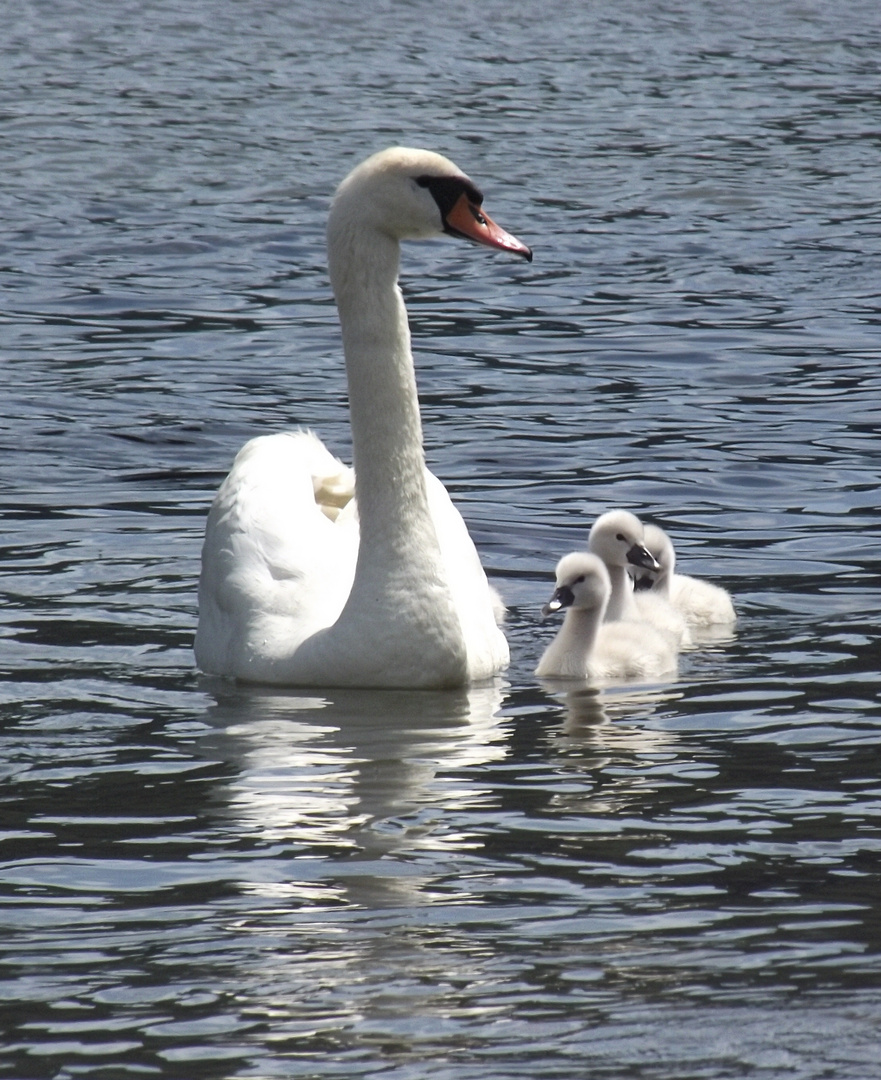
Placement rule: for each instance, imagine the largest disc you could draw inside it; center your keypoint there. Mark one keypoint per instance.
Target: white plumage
(701, 603)
(301, 584)
(586, 647)
(618, 538)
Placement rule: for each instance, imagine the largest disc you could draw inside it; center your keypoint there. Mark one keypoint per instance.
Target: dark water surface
(680, 882)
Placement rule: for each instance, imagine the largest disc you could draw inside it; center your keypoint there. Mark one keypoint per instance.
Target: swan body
(315, 575)
(587, 647)
(618, 538)
(701, 603)
(655, 609)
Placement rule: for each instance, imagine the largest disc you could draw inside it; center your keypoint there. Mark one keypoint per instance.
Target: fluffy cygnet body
(701, 603)
(586, 647)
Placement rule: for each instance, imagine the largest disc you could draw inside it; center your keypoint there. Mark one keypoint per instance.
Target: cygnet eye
(622, 538)
(578, 580)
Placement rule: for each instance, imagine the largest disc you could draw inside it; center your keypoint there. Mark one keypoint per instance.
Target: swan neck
(570, 651)
(400, 582)
(383, 403)
(662, 582)
(582, 626)
(400, 571)
(621, 603)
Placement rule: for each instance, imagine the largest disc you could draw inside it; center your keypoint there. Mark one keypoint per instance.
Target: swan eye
(447, 190)
(622, 538)
(578, 580)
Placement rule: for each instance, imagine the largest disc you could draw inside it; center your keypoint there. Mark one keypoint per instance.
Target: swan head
(405, 193)
(582, 583)
(618, 538)
(661, 548)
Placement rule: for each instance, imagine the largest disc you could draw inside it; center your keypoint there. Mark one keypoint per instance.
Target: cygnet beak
(640, 555)
(562, 598)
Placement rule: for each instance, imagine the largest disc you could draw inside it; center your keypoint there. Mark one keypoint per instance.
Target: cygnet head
(582, 583)
(661, 548)
(618, 538)
(408, 193)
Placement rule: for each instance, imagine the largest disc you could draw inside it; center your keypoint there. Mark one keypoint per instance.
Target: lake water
(202, 880)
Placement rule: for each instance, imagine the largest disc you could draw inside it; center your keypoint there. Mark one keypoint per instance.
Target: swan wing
(279, 553)
(702, 602)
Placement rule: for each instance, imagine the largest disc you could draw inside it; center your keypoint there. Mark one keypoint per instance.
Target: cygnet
(701, 603)
(586, 647)
(618, 538)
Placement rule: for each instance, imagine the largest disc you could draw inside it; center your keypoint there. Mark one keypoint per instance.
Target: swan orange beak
(467, 219)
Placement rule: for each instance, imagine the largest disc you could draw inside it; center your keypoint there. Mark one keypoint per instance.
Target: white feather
(313, 577)
(701, 603)
(586, 647)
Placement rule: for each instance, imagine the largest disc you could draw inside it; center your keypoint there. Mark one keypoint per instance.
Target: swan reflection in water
(372, 798)
(352, 776)
(610, 743)
(611, 717)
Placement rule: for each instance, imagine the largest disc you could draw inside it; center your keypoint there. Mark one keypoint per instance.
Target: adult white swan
(295, 591)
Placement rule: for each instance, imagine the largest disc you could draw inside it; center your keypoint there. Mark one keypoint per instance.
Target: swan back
(703, 603)
(629, 651)
(277, 564)
(655, 609)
